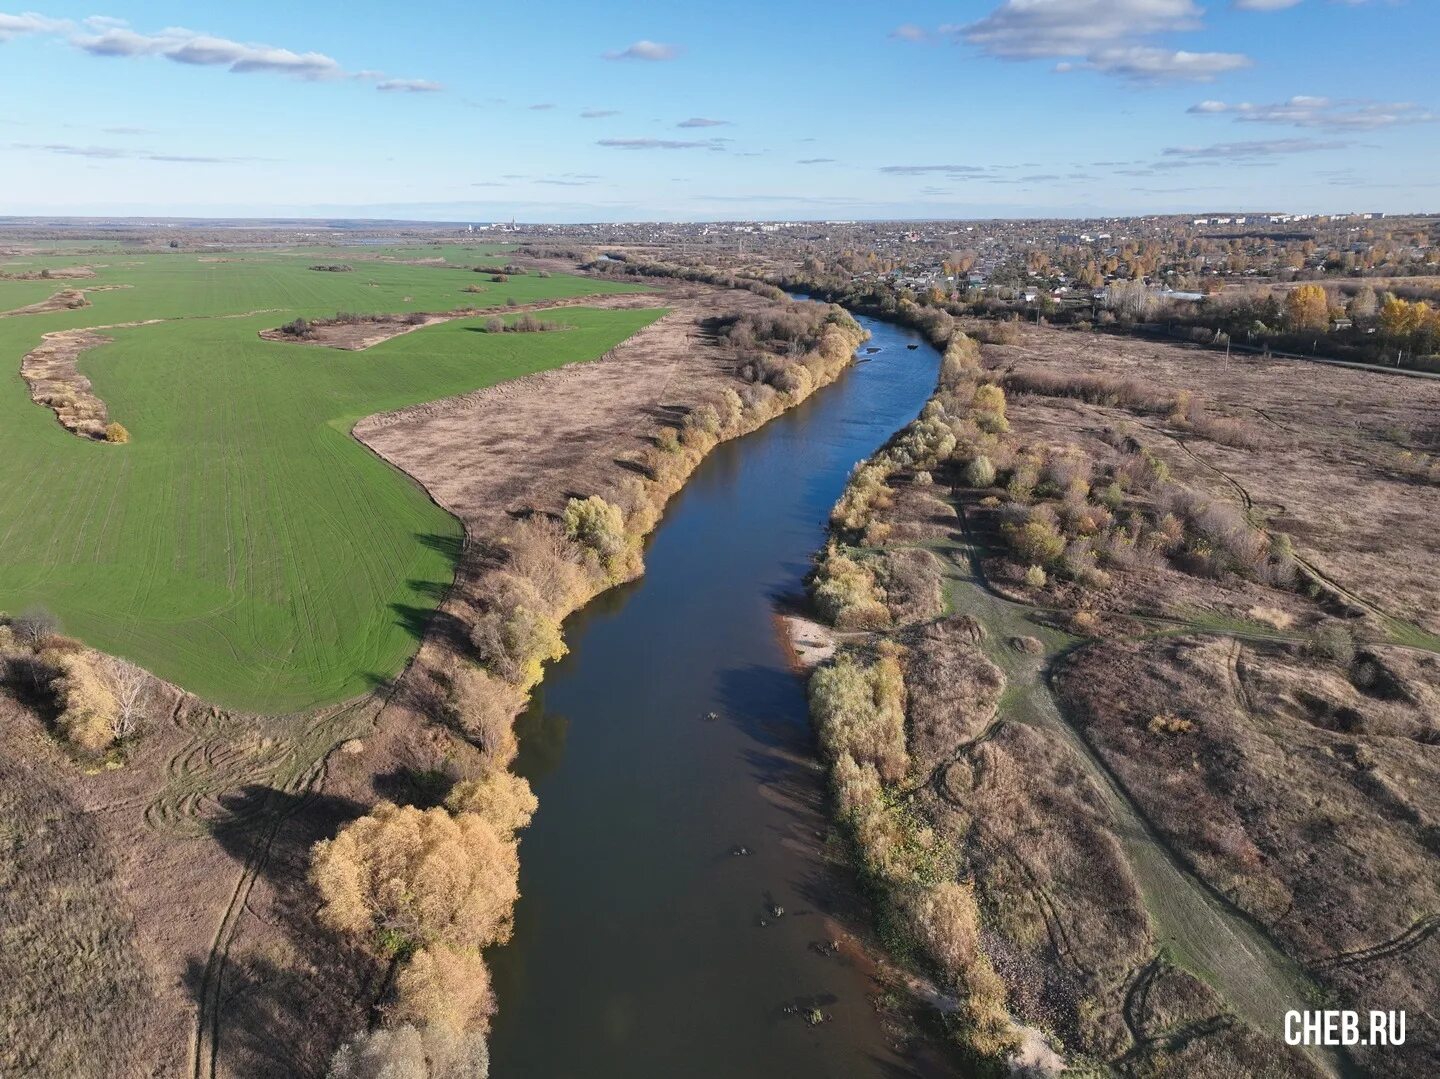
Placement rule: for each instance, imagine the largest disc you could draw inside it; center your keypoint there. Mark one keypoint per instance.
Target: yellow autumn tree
(500, 797)
(402, 879)
(1307, 308)
(1400, 320)
(445, 987)
(88, 708)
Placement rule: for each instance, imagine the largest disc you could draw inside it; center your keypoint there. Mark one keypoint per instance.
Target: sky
(579, 111)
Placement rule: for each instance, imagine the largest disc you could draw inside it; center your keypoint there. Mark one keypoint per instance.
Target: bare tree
(32, 627)
(128, 683)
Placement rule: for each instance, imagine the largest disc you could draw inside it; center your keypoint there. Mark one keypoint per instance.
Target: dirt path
(1206, 934)
(291, 776)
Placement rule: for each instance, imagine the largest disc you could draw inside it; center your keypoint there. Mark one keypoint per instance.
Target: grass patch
(243, 544)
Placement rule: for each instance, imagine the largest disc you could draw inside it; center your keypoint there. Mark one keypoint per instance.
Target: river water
(644, 945)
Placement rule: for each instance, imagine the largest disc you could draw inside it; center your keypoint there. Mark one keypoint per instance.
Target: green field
(244, 545)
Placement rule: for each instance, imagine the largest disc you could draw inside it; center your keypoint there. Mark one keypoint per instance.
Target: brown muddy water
(671, 738)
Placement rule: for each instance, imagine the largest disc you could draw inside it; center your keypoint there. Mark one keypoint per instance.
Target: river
(672, 736)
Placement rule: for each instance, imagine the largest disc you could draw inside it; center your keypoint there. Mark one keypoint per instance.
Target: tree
(1307, 308)
(1399, 320)
(402, 879)
(409, 1052)
(447, 988)
(516, 645)
(34, 626)
(599, 527)
(1364, 304)
(1037, 542)
(500, 797)
(1130, 299)
(127, 682)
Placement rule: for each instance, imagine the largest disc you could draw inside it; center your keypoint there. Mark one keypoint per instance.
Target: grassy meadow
(243, 544)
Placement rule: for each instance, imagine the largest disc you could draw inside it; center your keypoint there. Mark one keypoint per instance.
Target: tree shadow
(434, 589)
(283, 987)
(273, 830)
(423, 788)
(634, 466)
(417, 621)
(450, 546)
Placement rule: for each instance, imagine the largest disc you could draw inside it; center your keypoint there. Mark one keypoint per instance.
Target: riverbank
(680, 842)
(1001, 854)
(501, 622)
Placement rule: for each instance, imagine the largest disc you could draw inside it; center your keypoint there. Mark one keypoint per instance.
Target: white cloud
(922, 170)
(702, 121)
(644, 50)
(1357, 114)
(1147, 63)
(1255, 149)
(598, 114)
(1109, 36)
(101, 35)
(12, 26)
(409, 86)
(205, 50)
(1028, 29)
(659, 144)
(1263, 5)
(112, 153)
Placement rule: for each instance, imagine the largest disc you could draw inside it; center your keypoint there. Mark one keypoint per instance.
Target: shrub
(859, 710)
(946, 920)
(500, 797)
(599, 528)
(89, 712)
(553, 564)
(847, 595)
(1167, 723)
(865, 494)
(116, 433)
(34, 626)
(1333, 644)
(517, 643)
(406, 1052)
(980, 472)
(1023, 478)
(1035, 577)
(484, 708)
(1037, 541)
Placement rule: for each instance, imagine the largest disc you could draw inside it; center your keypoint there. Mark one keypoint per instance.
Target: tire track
(1399, 944)
(285, 798)
(1219, 942)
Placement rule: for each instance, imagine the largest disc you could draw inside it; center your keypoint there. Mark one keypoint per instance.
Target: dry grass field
(1177, 719)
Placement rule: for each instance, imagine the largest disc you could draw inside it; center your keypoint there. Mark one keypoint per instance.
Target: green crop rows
(243, 544)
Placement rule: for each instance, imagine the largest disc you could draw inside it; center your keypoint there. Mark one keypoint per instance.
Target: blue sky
(561, 111)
